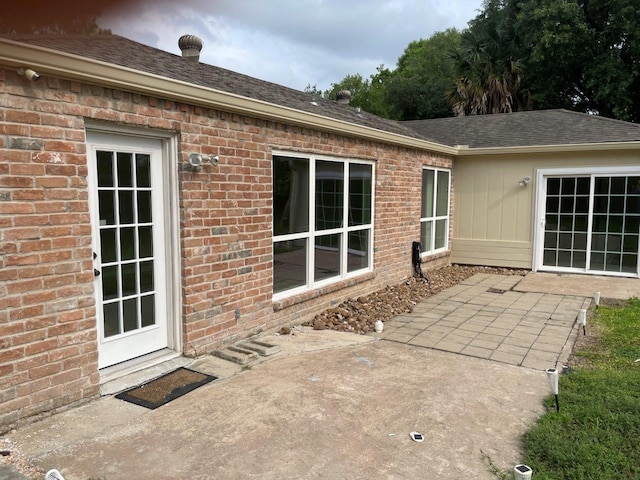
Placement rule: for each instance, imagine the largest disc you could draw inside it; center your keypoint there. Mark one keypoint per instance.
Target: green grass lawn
(596, 434)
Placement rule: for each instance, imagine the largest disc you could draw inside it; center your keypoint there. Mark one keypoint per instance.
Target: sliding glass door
(590, 223)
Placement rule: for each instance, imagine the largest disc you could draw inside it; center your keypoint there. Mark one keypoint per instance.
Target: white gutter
(47, 61)
(465, 151)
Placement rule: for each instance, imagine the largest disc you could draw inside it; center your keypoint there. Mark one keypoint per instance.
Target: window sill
(318, 292)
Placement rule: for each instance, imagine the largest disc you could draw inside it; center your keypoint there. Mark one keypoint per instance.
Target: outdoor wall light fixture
(196, 160)
(525, 181)
(29, 74)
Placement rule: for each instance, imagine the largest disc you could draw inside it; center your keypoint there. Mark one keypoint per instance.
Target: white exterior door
(589, 221)
(128, 193)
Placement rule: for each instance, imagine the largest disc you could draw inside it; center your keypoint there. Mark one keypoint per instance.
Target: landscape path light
(582, 320)
(552, 375)
(596, 299)
(522, 472)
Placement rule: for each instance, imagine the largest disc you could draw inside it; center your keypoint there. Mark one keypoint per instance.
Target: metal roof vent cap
(343, 97)
(190, 45)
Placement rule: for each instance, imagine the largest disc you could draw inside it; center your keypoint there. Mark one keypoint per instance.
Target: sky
(294, 43)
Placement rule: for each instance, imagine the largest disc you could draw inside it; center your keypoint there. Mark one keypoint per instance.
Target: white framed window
(322, 221)
(434, 211)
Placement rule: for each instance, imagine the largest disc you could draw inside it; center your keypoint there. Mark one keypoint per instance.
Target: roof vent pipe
(190, 45)
(343, 97)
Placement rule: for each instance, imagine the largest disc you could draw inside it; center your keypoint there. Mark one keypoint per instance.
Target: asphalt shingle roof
(539, 127)
(121, 51)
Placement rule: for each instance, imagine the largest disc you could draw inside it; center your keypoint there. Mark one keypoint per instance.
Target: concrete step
(262, 348)
(237, 355)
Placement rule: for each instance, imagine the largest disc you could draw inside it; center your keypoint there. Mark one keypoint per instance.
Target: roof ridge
(598, 117)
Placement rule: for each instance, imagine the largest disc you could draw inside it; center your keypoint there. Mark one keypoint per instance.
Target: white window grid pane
(431, 237)
(330, 215)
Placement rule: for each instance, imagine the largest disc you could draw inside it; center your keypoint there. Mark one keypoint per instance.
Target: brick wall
(48, 344)
(48, 355)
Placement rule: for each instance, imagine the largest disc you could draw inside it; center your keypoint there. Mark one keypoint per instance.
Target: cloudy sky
(292, 42)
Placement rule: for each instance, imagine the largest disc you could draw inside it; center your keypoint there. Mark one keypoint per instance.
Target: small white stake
(596, 299)
(522, 472)
(582, 319)
(552, 375)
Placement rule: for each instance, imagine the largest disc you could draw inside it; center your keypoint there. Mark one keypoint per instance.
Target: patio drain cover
(166, 388)
(496, 290)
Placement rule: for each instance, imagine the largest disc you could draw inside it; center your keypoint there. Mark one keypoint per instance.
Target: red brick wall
(48, 344)
(48, 355)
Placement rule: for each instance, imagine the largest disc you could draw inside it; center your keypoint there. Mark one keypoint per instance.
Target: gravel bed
(358, 315)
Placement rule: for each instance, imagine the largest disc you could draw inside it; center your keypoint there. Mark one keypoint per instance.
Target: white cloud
(293, 43)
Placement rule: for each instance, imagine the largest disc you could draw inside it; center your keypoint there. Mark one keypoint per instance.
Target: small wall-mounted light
(196, 160)
(29, 74)
(525, 181)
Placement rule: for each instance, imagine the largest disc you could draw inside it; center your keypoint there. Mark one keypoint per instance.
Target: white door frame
(169, 208)
(541, 197)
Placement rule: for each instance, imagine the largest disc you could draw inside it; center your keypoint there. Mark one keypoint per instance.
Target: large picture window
(322, 221)
(434, 215)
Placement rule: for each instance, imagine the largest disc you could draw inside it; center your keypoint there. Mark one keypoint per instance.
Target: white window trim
(312, 233)
(432, 250)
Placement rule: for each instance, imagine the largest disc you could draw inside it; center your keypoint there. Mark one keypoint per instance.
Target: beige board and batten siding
(494, 223)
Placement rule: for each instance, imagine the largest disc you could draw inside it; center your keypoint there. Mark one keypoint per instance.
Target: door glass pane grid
(566, 222)
(126, 238)
(610, 242)
(615, 224)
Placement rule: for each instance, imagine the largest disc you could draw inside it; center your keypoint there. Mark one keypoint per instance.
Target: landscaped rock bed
(359, 315)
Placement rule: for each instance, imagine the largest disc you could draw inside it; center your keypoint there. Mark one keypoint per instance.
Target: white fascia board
(74, 67)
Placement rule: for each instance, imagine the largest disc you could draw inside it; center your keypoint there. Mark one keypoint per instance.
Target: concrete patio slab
(344, 412)
(485, 312)
(580, 285)
(465, 368)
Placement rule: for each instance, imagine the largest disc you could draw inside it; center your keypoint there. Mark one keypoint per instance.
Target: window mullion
(344, 240)
(311, 238)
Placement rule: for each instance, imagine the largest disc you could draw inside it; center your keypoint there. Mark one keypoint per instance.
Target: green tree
(583, 55)
(489, 69)
(425, 72)
(368, 94)
(313, 90)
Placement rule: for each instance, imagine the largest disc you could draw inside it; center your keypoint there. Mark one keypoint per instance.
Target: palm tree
(489, 75)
